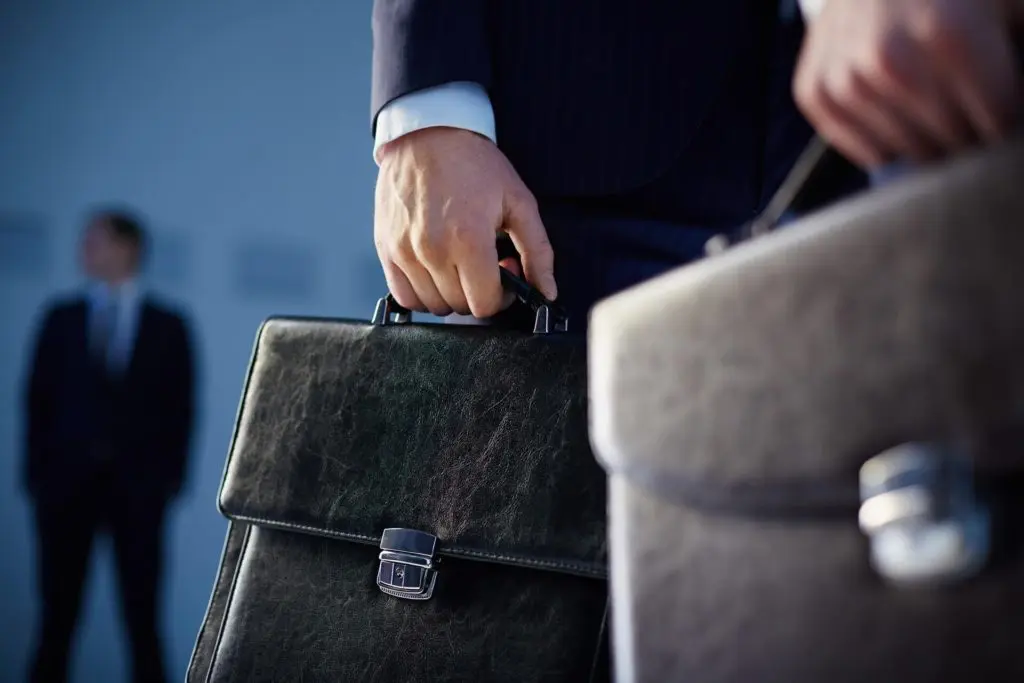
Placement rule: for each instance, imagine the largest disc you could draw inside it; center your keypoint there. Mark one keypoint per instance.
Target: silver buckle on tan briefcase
(922, 517)
(408, 568)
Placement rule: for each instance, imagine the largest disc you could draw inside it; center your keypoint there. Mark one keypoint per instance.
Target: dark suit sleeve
(40, 397)
(418, 44)
(180, 403)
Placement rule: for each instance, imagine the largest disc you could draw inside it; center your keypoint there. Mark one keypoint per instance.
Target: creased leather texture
(734, 401)
(484, 622)
(473, 434)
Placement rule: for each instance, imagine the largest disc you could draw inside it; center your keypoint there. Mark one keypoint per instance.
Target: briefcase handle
(549, 317)
(818, 168)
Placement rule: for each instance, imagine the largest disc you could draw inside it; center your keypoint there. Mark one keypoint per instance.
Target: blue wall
(240, 128)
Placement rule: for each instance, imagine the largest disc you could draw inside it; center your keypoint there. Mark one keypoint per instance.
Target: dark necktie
(104, 331)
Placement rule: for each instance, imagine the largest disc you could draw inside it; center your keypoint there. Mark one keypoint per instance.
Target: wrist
(425, 135)
(461, 105)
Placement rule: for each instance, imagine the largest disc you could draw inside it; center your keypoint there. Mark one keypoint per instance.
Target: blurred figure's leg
(65, 534)
(138, 534)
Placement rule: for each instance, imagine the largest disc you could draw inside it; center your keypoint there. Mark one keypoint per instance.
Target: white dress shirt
(122, 340)
(466, 105)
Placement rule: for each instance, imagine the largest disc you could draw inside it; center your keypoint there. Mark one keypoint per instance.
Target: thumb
(523, 225)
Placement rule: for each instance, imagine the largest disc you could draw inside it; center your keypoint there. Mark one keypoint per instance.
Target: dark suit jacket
(144, 424)
(595, 97)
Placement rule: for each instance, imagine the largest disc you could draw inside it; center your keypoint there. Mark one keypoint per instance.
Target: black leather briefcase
(815, 444)
(410, 502)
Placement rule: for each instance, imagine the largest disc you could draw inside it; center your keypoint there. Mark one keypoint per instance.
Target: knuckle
(484, 304)
(885, 64)
(402, 251)
(803, 91)
(406, 300)
(484, 309)
(437, 305)
(426, 245)
(403, 293)
(460, 308)
(877, 61)
(845, 88)
(523, 198)
(810, 95)
(464, 232)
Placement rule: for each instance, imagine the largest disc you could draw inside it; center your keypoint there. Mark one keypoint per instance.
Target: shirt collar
(127, 292)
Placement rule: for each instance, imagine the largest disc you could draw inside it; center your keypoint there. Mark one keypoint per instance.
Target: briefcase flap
(769, 373)
(476, 436)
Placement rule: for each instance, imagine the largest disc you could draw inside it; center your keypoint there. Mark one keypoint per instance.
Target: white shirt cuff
(811, 8)
(460, 104)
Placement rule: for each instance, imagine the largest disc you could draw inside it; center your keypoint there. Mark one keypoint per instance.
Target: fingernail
(551, 289)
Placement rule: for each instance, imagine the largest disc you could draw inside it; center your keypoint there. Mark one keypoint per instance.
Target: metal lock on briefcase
(922, 516)
(408, 568)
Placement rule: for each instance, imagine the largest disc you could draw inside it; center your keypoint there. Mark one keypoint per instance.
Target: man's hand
(910, 79)
(443, 195)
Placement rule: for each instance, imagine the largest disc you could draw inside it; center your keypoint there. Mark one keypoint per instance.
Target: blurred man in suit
(611, 139)
(109, 416)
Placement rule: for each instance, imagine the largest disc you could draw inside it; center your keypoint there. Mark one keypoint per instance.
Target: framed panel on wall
(276, 271)
(26, 246)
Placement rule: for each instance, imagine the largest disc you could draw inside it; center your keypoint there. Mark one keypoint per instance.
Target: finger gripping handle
(549, 317)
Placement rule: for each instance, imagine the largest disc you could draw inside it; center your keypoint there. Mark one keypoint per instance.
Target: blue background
(240, 129)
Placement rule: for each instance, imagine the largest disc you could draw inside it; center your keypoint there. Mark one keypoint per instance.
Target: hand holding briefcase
(789, 429)
(410, 502)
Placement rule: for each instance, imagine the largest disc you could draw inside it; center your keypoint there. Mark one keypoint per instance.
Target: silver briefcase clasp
(408, 568)
(919, 509)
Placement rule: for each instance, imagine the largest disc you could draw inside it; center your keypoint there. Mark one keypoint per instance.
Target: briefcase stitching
(453, 552)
